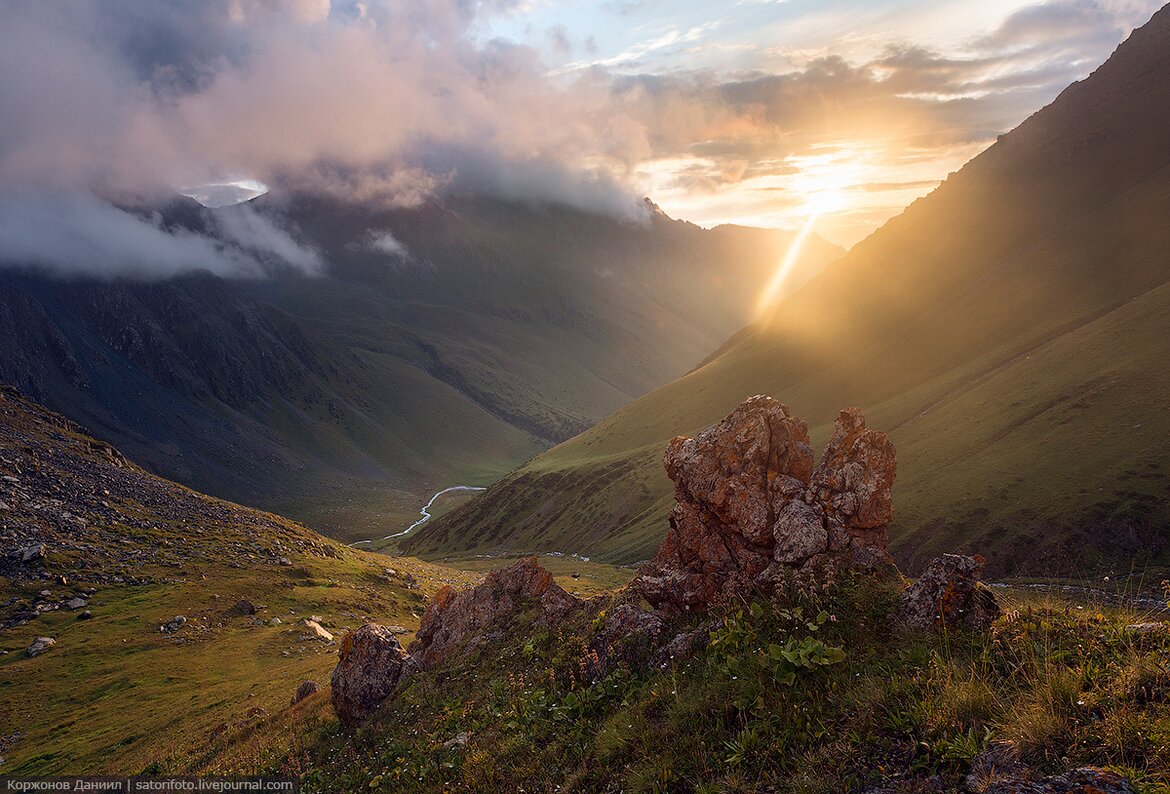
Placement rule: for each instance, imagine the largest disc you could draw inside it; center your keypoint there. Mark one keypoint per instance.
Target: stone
(1087, 780)
(627, 632)
(31, 553)
(285, 561)
(76, 603)
(245, 607)
(749, 504)
(370, 666)
(85, 615)
(318, 631)
(454, 618)
(40, 645)
(949, 595)
(172, 625)
(304, 690)
(458, 741)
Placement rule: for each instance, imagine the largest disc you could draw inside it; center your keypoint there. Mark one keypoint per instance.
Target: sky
(754, 112)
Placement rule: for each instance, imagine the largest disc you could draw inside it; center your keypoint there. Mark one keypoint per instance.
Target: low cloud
(400, 102)
(73, 234)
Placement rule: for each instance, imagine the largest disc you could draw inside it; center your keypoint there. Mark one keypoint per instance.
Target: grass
(1051, 686)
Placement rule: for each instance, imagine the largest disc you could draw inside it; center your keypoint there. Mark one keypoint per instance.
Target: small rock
(398, 629)
(1145, 628)
(174, 624)
(285, 561)
(304, 690)
(274, 621)
(86, 615)
(460, 740)
(245, 607)
(318, 630)
(76, 603)
(1078, 781)
(40, 645)
(30, 553)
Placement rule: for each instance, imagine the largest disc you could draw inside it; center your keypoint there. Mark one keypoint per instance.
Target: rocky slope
(489, 332)
(1008, 330)
(144, 626)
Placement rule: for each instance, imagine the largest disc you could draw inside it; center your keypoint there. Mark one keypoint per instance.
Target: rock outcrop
(949, 595)
(751, 506)
(752, 510)
(456, 619)
(370, 665)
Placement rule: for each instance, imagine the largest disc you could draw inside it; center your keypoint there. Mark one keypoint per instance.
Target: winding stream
(426, 516)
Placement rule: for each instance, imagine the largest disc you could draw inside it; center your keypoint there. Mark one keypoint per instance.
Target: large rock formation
(750, 505)
(370, 666)
(456, 619)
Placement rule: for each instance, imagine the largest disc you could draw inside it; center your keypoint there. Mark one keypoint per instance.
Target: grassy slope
(117, 696)
(1009, 331)
(1056, 684)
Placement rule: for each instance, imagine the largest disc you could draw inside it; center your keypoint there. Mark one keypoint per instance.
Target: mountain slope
(98, 555)
(1008, 331)
(489, 332)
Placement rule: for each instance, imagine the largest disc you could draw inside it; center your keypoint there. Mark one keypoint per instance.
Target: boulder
(40, 645)
(370, 666)
(1087, 780)
(304, 690)
(750, 505)
(76, 603)
(245, 607)
(456, 618)
(949, 595)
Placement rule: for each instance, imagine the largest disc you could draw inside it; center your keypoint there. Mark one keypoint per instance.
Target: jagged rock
(748, 499)
(85, 615)
(1087, 780)
(304, 690)
(455, 618)
(852, 485)
(76, 603)
(245, 607)
(370, 665)
(40, 645)
(949, 594)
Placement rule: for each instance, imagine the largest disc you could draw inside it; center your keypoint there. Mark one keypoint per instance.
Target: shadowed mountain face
(447, 344)
(1010, 331)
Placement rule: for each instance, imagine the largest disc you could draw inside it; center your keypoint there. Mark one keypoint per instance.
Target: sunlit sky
(902, 91)
(751, 112)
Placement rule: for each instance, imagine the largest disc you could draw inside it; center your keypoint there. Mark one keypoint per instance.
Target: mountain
(177, 620)
(447, 343)
(1010, 331)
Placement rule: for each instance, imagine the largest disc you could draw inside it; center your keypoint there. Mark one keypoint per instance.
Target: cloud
(386, 243)
(118, 104)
